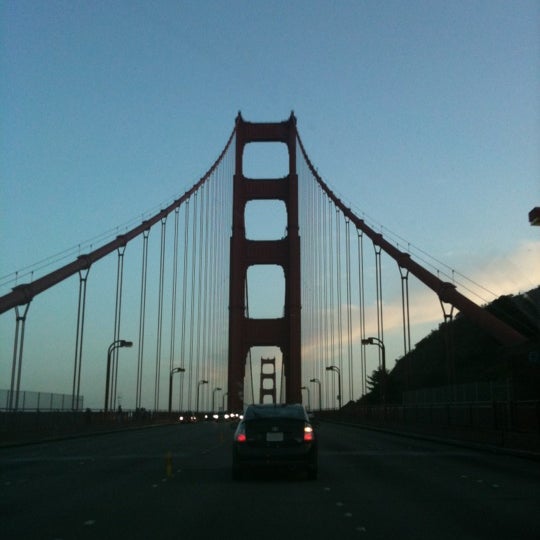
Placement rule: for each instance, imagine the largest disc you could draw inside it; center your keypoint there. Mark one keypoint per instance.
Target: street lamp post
(380, 344)
(217, 389)
(202, 381)
(308, 397)
(173, 371)
(223, 402)
(337, 370)
(320, 399)
(114, 345)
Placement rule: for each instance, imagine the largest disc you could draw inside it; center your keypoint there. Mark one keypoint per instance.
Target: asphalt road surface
(175, 482)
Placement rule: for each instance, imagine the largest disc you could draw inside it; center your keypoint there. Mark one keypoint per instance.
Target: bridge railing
(508, 424)
(20, 427)
(473, 392)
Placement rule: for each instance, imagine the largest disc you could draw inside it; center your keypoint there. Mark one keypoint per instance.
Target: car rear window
(275, 411)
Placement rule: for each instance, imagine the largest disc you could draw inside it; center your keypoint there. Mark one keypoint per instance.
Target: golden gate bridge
(175, 289)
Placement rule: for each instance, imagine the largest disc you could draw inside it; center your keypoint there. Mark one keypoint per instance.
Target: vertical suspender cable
(307, 291)
(378, 286)
(206, 311)
(282, 384)
(349, 307)
(315, 276)
(212, 260)
(218, 228)
(326, 323)
(310, 278)
(18, 345)
(406, 320)
(200, 284)
(320, 277)
(338, 290)
(184, 311)
(173, 293)
(405, 309)
(83, 275)
(449, 344)
(251, 385)
(225, 254)
(221, 233)
(362, 311)
(142, 319)
(332, 354)
(192, 303)
(160, 314)
(117, 317)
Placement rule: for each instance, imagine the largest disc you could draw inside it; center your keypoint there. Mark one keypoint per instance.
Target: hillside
(460, 352)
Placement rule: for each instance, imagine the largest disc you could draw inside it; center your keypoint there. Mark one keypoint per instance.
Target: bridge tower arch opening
(284, 331)
(268, 383)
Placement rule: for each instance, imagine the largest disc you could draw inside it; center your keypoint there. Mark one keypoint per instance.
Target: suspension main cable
(447, 292)
(22, 294)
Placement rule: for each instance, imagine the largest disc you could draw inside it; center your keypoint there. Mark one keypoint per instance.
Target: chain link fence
(38, 401)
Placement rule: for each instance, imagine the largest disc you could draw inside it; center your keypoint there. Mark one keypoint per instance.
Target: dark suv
(275, 436)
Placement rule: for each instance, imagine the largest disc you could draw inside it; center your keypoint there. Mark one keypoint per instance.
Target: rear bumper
(249, 457)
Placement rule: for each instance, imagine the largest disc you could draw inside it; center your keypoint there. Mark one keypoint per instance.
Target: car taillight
(241, 436)
(309, 435)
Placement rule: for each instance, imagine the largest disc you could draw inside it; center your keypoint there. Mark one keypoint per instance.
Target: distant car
(187, 418)
(275, 435)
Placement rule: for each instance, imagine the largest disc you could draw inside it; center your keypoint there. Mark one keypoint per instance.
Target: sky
(422, 115)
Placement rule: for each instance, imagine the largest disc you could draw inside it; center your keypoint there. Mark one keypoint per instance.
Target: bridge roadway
(371, 485)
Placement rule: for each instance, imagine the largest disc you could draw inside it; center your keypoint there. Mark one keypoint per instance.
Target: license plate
(274, 437)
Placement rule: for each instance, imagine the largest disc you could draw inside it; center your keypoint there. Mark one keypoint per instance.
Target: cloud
(516, 272)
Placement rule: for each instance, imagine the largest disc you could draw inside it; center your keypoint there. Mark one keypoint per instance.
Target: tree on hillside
(376, 385)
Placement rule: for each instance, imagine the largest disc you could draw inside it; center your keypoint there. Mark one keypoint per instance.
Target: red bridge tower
(245, 332)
